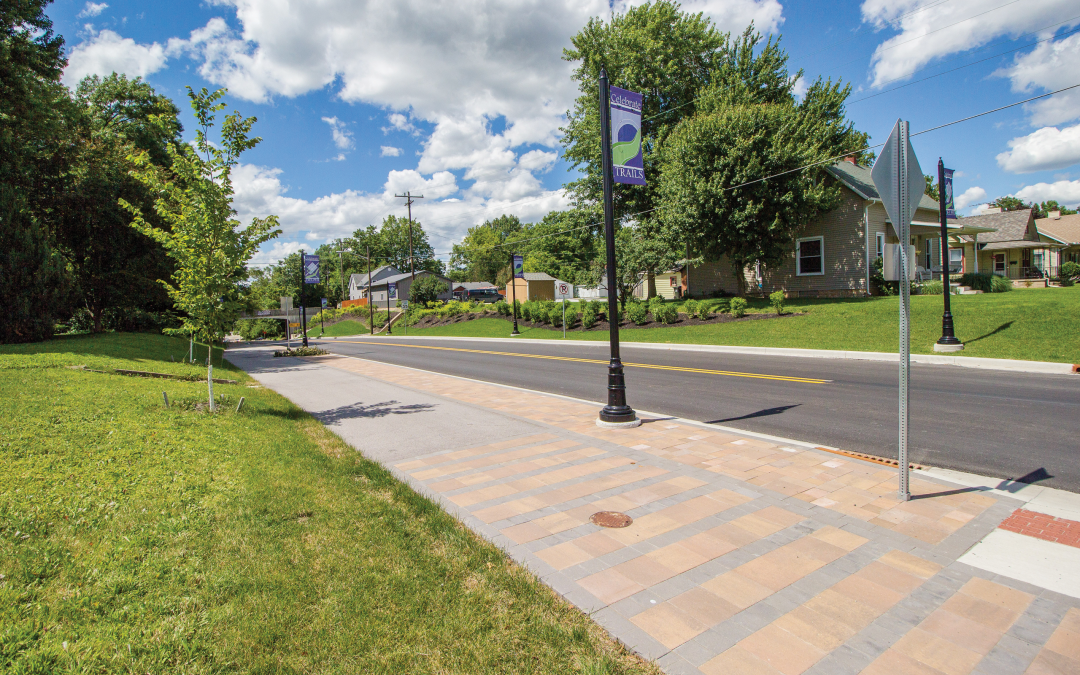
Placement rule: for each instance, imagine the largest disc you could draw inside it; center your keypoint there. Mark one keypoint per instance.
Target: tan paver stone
(483, 495)
(1003, 596)
(737, 660)
(708, 546)
(842, 608)
(669, 625)
(815, 547)
(644, 570)
(986, 613)
(937, 652)
(609, 586)
(563, 555)
(526, 532)
(889, 577)
(677, 558)
(961, 631)
(597, 543)
(865, 591)
(737, 589)
(781, 650)
(815, 629)
(912, 564)
(893, 662)
(1052, 663)
(704, 606)
(1066, 637)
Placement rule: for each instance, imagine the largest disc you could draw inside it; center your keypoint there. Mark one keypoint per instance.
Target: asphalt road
(1002, 424)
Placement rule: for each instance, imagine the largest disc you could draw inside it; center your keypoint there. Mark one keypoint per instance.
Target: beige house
(833, 255)
(1011, 247)
(1064, 231)
(535, 286)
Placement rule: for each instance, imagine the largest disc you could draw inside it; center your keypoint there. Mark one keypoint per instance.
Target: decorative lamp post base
(949, 346)
(629, 422)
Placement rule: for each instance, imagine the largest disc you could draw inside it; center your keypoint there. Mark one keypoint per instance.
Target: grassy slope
(135, 538)
(1028, 324)
(341, 328)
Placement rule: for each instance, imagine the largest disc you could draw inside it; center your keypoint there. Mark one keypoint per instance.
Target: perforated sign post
(563, 291)
(899, 181)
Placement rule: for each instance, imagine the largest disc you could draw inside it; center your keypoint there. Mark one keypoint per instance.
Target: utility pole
(371, 308)
(412, 268)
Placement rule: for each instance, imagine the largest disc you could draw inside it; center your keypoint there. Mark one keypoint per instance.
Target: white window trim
(798, 258)
(879, 241)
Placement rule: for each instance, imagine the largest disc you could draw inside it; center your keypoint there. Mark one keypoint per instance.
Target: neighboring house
(832, 255)
(358, 283)
(535, 286)
(1012, 248)
(395, 288)
(1064, 231)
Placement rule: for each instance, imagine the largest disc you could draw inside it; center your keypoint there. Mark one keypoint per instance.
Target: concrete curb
(1008, 365)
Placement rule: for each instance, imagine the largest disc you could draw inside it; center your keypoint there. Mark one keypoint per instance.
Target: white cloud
(389, 151)
(106, 52)
(398, 122)
(1066, 192)
(799, 88)
(1050, 66)
(343, 138)
(444, 212)
(92, 9)
(729, 15)
(970, 196)
(1044, 150)
(976, 23)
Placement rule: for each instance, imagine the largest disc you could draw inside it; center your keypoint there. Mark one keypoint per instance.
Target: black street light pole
(948, 341)
(370, 304)
(616, 413)
(303, 310)
(513, 295)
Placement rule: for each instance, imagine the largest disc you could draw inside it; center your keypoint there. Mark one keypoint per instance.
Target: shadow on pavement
(760, 413)
(370, 411)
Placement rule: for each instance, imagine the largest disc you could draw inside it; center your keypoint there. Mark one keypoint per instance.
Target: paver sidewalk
(744, 555)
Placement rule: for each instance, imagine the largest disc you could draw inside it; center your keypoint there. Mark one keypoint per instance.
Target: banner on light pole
(311, 269)
(627, 164)
(950, 204)
(519, 267)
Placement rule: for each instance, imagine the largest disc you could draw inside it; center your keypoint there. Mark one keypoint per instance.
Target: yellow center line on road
(682, 369)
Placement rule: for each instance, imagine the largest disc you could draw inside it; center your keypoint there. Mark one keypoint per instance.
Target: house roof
(538, 276)
(394, 278)
(474, 285)
(858, 178)
(1007, 225)
(1065, 229)
(360, 280)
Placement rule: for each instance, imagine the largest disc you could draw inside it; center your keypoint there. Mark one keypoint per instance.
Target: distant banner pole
(619, 101)
(946, 209)
(303, 281)
(517, 271)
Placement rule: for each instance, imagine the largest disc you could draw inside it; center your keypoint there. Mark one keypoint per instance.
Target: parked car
(486, 295)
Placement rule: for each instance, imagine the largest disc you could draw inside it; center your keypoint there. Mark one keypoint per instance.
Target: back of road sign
(886, 177)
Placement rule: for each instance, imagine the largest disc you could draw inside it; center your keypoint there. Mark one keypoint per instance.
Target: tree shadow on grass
(778, 410)
(997, 330)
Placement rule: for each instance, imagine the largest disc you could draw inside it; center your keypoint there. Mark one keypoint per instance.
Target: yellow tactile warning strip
(703, 371)
(743, 555)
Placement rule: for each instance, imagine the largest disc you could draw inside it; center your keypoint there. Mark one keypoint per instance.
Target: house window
(956, 259)
(881, 245)
(809, 256)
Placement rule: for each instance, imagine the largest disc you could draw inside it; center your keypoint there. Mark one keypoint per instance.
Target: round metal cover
(611, 519)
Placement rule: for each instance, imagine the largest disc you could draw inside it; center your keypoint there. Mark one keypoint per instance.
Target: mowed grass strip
(135, 538)
(1025, 324)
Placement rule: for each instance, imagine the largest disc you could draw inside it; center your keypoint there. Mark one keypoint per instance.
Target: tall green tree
(194, 200)
(35, 152)
(641, 257)
(114, 265)
(1008, 203)
(389, 245)
(712, 195)
(479, 256)
(1044, 209)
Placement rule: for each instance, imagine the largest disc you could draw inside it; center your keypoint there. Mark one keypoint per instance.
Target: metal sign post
(899, 181)
(562, 292)
(391, 291)
(405, 309)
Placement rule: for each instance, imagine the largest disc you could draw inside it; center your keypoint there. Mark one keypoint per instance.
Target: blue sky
(461, 102)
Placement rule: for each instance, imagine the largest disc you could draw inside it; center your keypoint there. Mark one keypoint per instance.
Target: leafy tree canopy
(389, 245)
(1044, 209)
(1008, 203)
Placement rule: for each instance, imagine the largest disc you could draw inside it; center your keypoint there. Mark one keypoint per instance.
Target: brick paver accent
(746, 555)
(1043, 526)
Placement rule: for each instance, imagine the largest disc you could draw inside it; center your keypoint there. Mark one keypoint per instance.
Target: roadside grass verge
(339, 329)
(144, 539)
(1025, 324)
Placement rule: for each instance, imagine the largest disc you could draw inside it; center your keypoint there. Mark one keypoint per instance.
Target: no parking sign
(563, 290)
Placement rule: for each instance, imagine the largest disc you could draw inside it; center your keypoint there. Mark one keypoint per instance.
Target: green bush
(666, 313)
(426, 289)
(637, 312)
(1069, 273)
(1000, 284)
(590, 314)
(690, 307)
(932, 287)
(555, 316)
(776, 299)
(252, 329)
(704, 311)
(502, 307)
(655, 300)
(978, 281)
(738, 307)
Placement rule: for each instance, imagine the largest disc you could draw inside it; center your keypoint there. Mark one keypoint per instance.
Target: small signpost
(563, 291)
(405, 309)
(899, 182)
(286, 307)
(517, 271)
(391, 292)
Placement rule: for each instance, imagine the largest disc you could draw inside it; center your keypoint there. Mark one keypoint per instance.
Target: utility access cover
(611, 519)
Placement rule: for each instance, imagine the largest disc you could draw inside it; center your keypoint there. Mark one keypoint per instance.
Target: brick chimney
(850, 159)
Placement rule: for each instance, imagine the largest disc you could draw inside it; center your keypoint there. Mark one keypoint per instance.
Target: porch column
(975, 245)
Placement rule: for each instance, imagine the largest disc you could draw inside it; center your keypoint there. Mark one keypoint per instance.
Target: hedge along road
(1003, 424)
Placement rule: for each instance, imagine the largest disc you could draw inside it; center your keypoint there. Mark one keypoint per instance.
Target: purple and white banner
(627, 164)
(950, 203)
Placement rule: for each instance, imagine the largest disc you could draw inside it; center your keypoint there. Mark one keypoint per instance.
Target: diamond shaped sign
(900, 201)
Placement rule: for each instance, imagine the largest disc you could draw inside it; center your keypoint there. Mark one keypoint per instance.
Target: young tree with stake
(194, 203)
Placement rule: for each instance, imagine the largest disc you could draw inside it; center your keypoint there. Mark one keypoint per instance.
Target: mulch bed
(683, 320)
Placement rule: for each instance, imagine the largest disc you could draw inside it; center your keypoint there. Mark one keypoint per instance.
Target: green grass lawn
(1028, 324)
(339, 329)
(142, 539)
